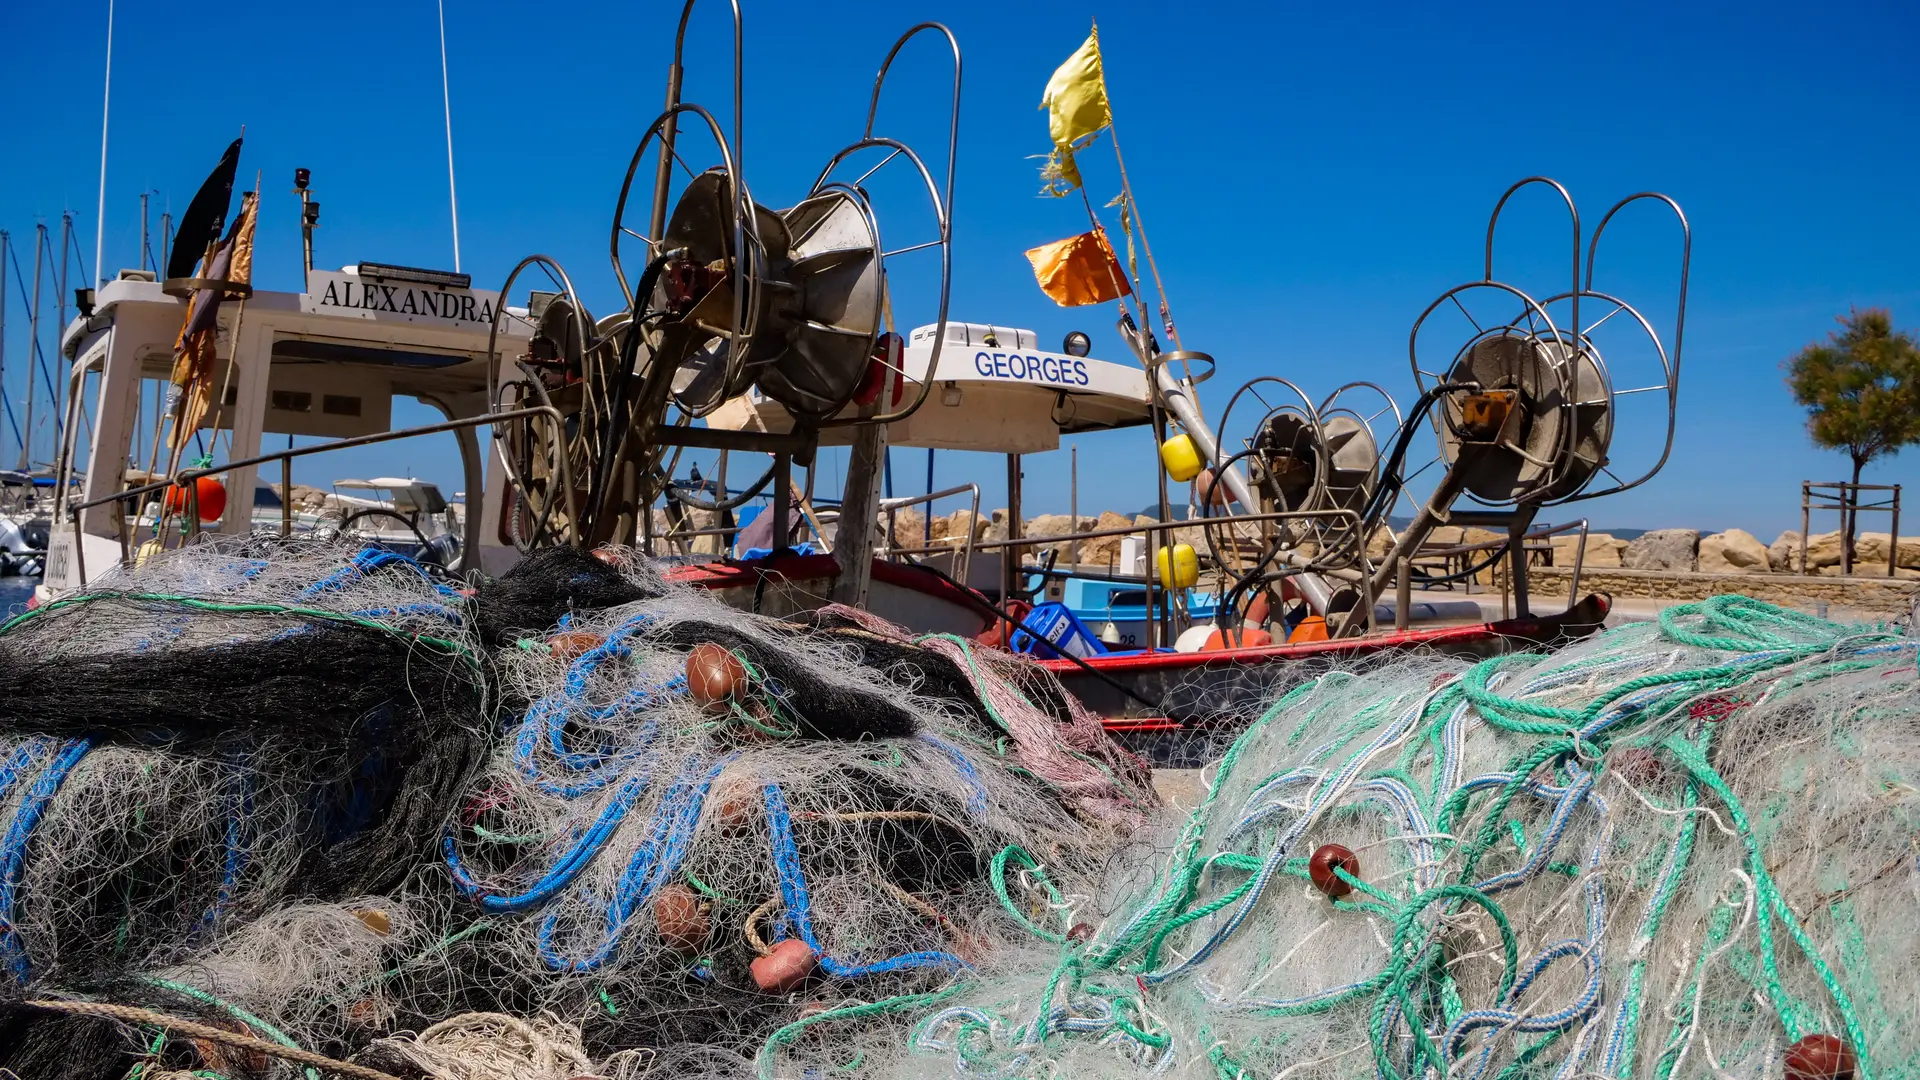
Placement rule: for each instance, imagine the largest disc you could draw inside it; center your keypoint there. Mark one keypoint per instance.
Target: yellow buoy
(1184, 571)
(1180, 458)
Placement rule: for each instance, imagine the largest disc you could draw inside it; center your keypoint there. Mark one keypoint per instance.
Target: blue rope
(658, 858)
(564, 869)
(13, 850)
(793, 893)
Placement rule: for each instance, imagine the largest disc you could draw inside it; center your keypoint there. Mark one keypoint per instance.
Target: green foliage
(1861, 387)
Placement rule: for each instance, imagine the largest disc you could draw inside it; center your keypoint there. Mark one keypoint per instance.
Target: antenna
(6, 244)
(106, 98)
(446, 101)
(33, 341)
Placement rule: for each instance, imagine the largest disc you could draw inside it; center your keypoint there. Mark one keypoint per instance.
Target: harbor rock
(1783, 555)
(1055, 525)
(1735, 551)
(1104, 550)
(1663, 549)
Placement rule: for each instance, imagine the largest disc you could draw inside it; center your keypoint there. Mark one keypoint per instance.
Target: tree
(1861, 390)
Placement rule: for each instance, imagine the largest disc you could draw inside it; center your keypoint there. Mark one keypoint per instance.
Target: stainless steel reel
(1527, 401)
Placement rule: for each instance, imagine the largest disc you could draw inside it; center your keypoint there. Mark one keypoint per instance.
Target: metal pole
(143, 230)
(446, 101)
(782, 500)
(1403, 594)
(926, 532)
(59, 385)
(1073, 499)
(33, 344)
(6, 246)
(1010, 557)
(1848, 497)
(100, 215)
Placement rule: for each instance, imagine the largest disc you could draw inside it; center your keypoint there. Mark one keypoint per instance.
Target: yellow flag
(1076, 104)
(1079, 270)
(240, 266)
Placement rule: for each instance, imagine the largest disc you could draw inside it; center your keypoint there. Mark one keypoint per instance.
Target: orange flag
(1079, 270)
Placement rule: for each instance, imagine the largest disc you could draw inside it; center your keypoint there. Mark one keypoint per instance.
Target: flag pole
(446, 102)
(100, 214)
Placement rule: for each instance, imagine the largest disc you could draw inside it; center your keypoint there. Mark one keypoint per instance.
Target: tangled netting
(1683, 849)
(186, 744)
(580, 822)
(669, 826)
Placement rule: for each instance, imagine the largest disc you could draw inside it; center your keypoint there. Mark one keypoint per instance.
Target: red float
(715, 677)
(1327, 859)
(570, 645)
(1820, 1057)
(786, 966)
(681, 920)
(209, 496)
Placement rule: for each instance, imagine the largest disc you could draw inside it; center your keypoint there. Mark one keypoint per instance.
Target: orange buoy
(608, 555)
(1207, 488)
(1311, 628)
(715, 677)
(209, 497)
(1250, 637)
(1328, 858)
(785, 967)
(1820, 1057)
(570, 645)
(681, 919)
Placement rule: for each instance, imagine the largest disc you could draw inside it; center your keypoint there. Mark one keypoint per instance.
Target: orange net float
(715, 677)
(681, 919)
(787, 964)
(570, 645)
(209, 498)
(1821, 1057)
(1328, 858)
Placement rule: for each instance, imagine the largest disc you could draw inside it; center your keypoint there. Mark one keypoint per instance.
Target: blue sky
(1313, 176)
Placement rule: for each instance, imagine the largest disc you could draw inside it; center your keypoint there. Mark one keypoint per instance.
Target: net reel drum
(1527, 412)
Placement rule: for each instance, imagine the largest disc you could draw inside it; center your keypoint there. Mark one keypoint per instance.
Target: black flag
(205, 216)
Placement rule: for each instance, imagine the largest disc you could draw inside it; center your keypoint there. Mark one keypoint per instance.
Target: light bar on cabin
(444, 278)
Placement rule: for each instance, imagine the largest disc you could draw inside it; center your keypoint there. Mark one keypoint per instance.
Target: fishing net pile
(1683, 849)
(671, 830)
(186, 744)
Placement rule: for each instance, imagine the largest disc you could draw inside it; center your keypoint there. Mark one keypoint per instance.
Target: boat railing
(1350, 561)
(186, 478)
(963, 552)
(1403, 587)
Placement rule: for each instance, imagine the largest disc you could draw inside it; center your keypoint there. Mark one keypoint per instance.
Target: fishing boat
(766, 335)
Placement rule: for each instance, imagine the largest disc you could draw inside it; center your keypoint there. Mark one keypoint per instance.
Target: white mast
(446, 101)
(100, 214)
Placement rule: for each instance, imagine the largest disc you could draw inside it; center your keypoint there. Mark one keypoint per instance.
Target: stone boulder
(1823, 549)
(1870, 549)
(1735, 551)
(909, 527)
(1104, 550)
(1603, 551)
(1663, 549)
(1783, 555)
(962, 524)
(1056, 525)
(996, 528)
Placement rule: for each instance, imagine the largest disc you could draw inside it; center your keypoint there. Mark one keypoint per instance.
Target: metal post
(33, 345)
(1010, 557)
(60, 298)
(6, 245)
(1403, 594)
(926, 530)
(144, 241)
(1073, 500)
(782, 500)
(1806, 522)
(286, 494)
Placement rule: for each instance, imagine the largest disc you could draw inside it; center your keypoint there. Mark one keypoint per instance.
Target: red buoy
(1820, 1057)
(1327, 859)
(785, 967)
(570, 645)
(681, 920)
(1080, 932)
(715, 677)
(1638, 764)
(209, 497)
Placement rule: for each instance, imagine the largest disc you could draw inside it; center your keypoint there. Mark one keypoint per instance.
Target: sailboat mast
(100, 215)
(33, 342)
(58, 389)
(6, 245)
